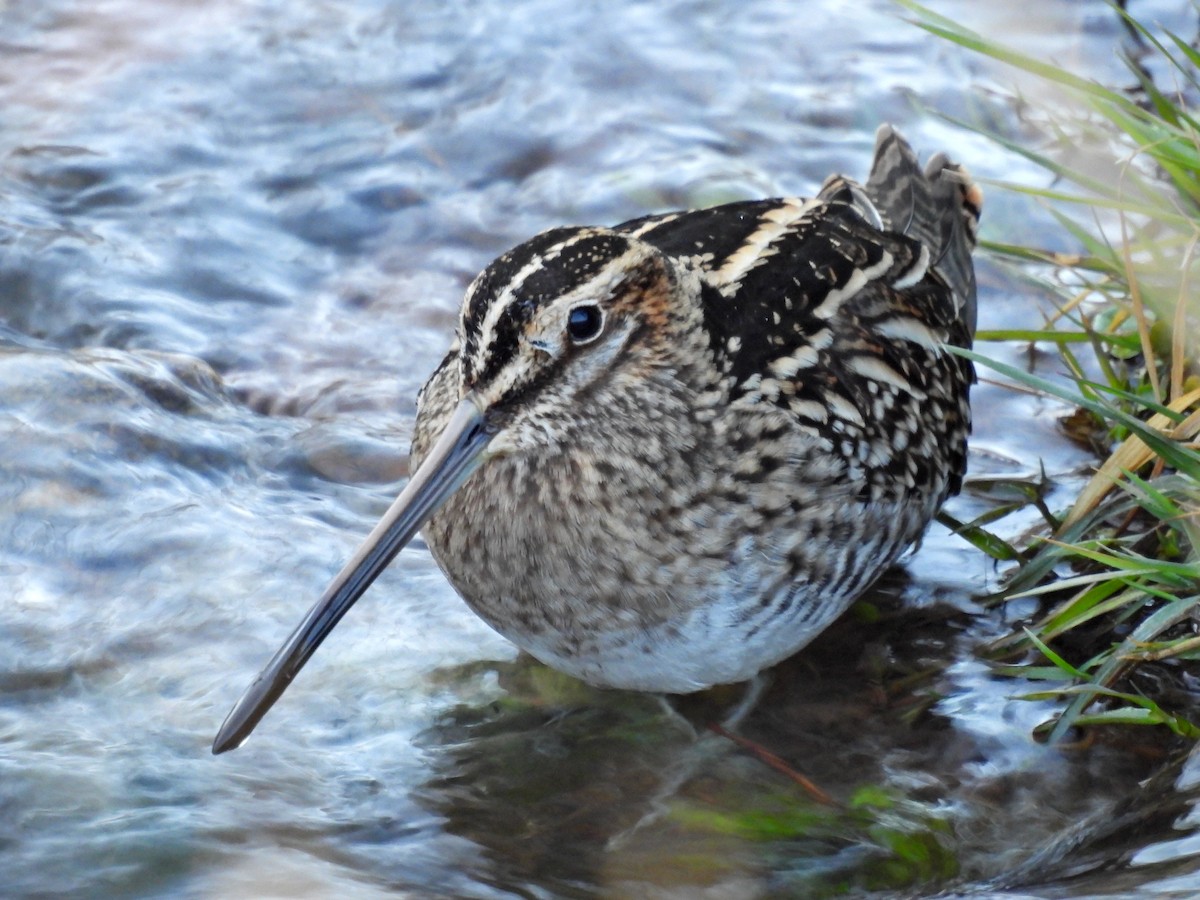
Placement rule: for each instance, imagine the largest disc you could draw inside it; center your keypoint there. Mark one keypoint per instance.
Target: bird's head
(558, 323)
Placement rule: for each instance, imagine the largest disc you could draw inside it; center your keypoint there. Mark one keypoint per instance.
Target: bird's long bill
(455, 455)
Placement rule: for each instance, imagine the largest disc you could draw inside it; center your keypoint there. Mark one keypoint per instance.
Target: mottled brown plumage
(667, 454)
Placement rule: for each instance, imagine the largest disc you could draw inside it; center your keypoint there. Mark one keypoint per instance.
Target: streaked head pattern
(545, 322)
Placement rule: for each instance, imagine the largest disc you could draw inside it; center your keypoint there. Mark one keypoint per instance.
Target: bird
(666, 454)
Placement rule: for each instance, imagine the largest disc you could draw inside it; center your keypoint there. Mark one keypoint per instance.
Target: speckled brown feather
(768, 418)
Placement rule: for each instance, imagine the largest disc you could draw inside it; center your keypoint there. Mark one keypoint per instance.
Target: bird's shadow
(563, 785)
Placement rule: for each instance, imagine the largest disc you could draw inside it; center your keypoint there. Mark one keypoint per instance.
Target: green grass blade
(1171, 451)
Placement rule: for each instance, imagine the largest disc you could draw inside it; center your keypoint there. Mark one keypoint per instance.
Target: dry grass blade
(1125, 560)
(1133, 454)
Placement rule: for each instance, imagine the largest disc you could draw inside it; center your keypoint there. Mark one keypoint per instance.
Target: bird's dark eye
(584, 323)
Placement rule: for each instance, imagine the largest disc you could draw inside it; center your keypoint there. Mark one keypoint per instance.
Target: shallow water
(233, 237)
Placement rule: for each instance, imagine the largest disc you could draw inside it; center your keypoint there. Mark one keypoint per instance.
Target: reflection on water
(232, 241)
(566, 786)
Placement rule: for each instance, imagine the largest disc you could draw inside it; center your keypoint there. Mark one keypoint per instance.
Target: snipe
(667, 454)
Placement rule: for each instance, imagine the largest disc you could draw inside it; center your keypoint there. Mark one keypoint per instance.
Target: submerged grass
(1118, 574)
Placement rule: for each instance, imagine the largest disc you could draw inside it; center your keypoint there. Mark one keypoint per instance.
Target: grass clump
(1119, 572)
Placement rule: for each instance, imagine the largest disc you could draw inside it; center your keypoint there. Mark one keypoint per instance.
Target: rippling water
(233, 237)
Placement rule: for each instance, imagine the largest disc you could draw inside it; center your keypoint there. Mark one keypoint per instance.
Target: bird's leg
(706, 748)
(755, 688)
(693, 760)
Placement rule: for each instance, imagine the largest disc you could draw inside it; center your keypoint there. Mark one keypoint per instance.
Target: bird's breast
(594, 560)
